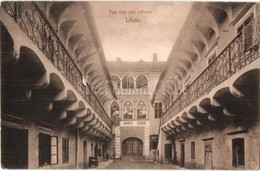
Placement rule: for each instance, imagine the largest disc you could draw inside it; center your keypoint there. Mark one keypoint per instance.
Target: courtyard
(135, 164)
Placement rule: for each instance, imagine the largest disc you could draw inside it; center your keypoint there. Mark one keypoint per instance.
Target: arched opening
(141, 82)
(141, 110)
(132, 148)
(128, 110)
(128, 82)
(116, 82)
(114, 109)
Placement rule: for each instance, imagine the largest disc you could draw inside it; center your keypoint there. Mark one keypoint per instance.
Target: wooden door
(182, 154)
(168, 152)
(208, 155)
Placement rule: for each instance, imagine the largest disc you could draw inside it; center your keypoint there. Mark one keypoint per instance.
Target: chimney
(155, 57)
(118, 59)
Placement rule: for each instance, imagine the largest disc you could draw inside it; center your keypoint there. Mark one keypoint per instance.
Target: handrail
(32, 20)
(241, 51)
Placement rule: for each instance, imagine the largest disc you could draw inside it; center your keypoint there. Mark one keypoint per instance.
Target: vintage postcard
(130, 85)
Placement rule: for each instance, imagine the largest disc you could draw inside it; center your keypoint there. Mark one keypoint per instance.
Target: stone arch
(72, 40)
(218, 14)
(128, 82)
(114, 109)
(56, 10)
(65, 28)
(132, 147)
(207, 31)
(116, 81)
(7, 46)
(141, 81)
(36, 73)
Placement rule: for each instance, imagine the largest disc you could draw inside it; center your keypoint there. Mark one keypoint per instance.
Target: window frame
(45, 149)
(142, 84)
(130, 82)
(192, 150)
(141, 115)
(128, 109)
(239, 164)
(57, 152)
(65, 150)
(157, 110)
(244, 18)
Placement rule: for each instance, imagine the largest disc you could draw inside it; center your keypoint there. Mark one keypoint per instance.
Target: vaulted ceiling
(76, 28)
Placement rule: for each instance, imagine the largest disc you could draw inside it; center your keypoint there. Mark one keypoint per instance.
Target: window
(54, 150)
(238, 152)
(141, 110)
(153, 142)
(128, 82)
(245, 23)
(116, 82)
(192, 149)
(65, 150)
(114, 109)
(141, 82)
(157, 110)
(128, 111)
(48, 149)
(92, 149)
(246, 28)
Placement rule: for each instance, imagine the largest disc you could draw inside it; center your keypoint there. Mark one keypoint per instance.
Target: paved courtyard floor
(135, 164)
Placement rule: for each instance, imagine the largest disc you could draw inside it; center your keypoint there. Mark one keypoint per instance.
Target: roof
(139, 66)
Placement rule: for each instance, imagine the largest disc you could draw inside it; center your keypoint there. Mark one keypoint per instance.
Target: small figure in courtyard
(114, 156)
(107, 155)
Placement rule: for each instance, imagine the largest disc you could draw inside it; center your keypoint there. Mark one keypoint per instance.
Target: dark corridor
(14, 148)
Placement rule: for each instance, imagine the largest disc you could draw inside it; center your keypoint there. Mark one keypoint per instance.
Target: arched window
(114, 109)
(141, 110)
(141, 82)
(128, 82)
(128, 110)
(116, 82)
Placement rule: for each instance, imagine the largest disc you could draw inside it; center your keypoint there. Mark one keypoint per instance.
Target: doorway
(85, 154)
(96, 150)
(208, 155)
(182, 154)
(132, 148)
(14, 148)
(168, 153)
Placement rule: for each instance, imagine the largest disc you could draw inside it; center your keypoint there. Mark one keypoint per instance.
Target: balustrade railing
(242, 50)
(141, 91)
(34, 23)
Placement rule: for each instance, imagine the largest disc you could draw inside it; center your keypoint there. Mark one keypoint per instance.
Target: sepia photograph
(158, 85)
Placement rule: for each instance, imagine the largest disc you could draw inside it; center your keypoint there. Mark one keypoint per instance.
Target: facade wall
(182, 125)
(142, 132)
(127, 132)
(76, 150)
(61, 124)
(222, 147)
(134, 100)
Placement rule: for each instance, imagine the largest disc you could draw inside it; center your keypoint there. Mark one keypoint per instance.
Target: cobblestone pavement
(136, 164)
